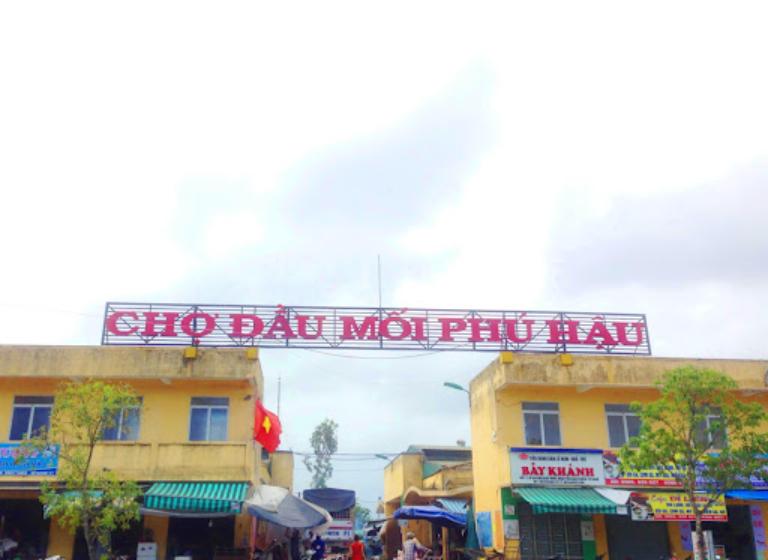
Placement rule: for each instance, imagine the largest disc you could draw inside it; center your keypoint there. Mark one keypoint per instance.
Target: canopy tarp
(278, 506)
(566, 500)
(752, 495)
(331, 499)
(433, 514)
(195, 498)
(456, 506)
(472, 542)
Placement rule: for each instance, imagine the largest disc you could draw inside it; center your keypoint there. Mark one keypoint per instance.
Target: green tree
(715, 442)
(361, 514)
(324, 444)
(96, 500)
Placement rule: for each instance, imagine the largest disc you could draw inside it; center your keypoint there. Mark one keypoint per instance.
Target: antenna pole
(279, 383)
(378, 268)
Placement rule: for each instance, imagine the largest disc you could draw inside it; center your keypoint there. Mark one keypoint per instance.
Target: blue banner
(17, 460)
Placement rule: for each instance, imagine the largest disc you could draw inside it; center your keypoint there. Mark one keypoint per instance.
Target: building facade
(425, 475)
(546, 429)
(191, 437)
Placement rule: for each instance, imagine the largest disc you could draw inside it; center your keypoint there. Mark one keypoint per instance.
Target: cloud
(712, 233)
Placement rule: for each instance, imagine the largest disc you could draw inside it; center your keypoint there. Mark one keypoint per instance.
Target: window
(622, 424)
(711, 432)
(542, 423)
(30, 415)
(125, 426)
(208, 419)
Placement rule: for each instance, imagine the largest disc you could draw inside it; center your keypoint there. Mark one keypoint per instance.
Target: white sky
(577, 155)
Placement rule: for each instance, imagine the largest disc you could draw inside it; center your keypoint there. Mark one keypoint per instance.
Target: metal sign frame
(368, 328)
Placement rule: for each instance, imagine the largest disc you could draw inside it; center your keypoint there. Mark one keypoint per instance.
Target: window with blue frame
(208, 419)
(125, 425)
(30, 416)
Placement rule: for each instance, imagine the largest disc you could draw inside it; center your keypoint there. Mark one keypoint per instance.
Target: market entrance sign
(366, 328)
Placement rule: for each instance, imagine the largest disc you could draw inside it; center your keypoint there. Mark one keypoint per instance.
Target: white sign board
(340, 530)
(562, 467)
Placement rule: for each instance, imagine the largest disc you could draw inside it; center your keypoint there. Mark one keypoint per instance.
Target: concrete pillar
(159, 527)
(60, 541)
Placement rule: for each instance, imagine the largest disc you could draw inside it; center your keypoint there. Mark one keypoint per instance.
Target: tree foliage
(97, 501)
(362, 515)
(324, 444)
(709, 440)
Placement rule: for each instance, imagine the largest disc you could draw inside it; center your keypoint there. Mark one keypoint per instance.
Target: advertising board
(556, 467)
(15, 460)
(673, 506)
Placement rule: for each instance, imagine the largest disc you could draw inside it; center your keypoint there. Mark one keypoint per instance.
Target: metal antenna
(378, 262)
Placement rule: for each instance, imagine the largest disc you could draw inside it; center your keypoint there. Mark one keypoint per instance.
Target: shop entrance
(199, 537)
(736, 535)
(636, 540)
(550, 534)
(124, 542)
(23, 522)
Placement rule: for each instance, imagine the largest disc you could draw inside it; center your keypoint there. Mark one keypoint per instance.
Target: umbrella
(278, 506)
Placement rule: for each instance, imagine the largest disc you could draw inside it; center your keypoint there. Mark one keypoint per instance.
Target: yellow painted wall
(401, 473)
(163, 451)
(581, 390)
(60, 541)
(281, 469)
(449, 477)
(166, 381)
(128, 362)
(159, 527)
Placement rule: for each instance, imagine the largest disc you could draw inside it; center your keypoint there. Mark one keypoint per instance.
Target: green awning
(566, 500)
(196, 497)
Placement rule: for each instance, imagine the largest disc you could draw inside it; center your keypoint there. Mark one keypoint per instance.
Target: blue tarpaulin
(291, 512)
(433, 514)
(331, 499)
(754, 495)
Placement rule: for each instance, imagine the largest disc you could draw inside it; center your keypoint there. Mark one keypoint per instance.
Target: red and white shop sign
(542, 466)
(366, 328)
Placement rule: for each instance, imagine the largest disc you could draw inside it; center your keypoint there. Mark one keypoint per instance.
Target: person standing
(411, 546)
(356, 549)
(295, 542)
(318, 548)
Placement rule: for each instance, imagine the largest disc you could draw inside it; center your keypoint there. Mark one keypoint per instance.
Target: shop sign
(542, 466)
(17, 460)
(367, 328)
(673, 506)
(758, 527)
(340, 530)
(660, 477)
(656, 478)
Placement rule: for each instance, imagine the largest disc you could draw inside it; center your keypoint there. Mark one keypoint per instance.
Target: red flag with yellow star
(266, 428)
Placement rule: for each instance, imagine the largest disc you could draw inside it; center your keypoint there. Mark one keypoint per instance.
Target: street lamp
(458, 387)
(455, 386)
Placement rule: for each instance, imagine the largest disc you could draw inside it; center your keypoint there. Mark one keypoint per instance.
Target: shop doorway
(551, 534)
(735, 535)
(636, 540)
(199, 537)
(124, 542)
(23, 522)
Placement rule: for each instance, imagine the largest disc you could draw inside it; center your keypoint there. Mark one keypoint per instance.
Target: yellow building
(191, 437)
(530, 411)
(425, 475)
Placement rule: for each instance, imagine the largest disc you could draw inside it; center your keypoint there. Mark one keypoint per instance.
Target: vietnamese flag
(266, 428)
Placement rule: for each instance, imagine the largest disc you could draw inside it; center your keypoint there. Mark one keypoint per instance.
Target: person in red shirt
(356, 549)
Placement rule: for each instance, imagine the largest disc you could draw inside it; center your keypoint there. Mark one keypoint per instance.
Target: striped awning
(566, 500)
(196, 497)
